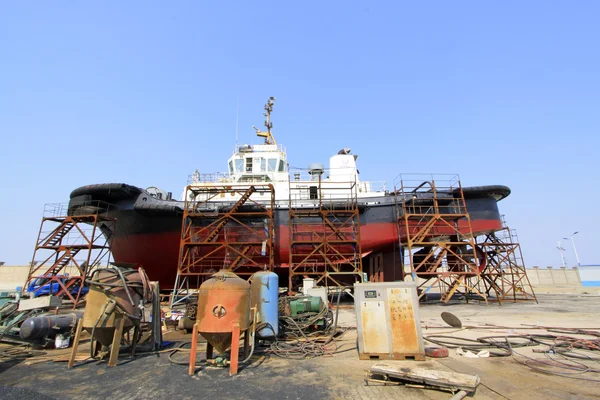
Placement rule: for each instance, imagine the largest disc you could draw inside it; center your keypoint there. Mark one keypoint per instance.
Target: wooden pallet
(391, 374)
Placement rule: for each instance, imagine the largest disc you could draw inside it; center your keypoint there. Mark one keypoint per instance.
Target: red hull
(158, 252)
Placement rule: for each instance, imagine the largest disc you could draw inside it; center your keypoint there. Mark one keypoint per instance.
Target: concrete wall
(554, 276)
(13, 276)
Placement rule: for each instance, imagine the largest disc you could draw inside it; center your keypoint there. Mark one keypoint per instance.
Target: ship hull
(148, 231)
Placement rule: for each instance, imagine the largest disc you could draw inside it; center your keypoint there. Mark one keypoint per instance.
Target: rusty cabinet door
(403, 326)
(374, 327)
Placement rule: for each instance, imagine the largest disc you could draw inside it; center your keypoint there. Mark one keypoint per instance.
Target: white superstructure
(267, 164)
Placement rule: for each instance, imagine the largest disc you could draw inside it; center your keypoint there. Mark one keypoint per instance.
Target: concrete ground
(338, 377)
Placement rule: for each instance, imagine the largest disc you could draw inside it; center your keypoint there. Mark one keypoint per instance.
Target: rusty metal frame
(505, 274)
(219, 234)
(324, 233)
(429, 209)
(62, 237)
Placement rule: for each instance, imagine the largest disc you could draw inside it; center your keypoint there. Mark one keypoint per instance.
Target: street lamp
(562, 254)
(574, 248)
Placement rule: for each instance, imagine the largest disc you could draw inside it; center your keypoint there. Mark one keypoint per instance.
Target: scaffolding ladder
(69, 244)
(505, 272)
(224, 226)
(324, 229)
(435, 236)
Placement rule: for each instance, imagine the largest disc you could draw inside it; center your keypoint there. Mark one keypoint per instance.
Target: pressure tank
(223, 300)
(108, 294)
(47, 326)
(265, 297)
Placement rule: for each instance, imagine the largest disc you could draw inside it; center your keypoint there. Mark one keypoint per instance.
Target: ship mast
(269, 138)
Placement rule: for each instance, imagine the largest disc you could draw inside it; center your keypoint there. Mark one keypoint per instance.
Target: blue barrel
(265, 296)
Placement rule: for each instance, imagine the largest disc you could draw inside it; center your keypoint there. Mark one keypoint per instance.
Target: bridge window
(249, 164)
(272, 164)
(281, 166)
(239, 165)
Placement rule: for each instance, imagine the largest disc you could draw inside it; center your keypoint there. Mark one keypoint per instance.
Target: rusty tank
(223, 300)
(115, 293)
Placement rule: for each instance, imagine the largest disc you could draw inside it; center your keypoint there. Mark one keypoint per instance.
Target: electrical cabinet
(388, 322)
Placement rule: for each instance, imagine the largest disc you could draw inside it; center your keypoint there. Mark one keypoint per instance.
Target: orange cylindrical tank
(223, 299)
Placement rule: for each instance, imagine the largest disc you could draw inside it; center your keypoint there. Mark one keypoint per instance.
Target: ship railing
(302, 177)
(430, 194)
(423, 183)
(259, 147)
(215, 177)
(55, 210)
(372, 186)
(244, 179)
(303, 194)
(91, 207)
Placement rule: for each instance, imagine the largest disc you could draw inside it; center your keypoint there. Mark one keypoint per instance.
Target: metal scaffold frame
(505, 272)
(69, 246)
(324, 227)
(435, 235)
(224, 226)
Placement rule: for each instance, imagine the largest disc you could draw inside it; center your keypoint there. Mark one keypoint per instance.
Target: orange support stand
(235, 349)
(192, 367)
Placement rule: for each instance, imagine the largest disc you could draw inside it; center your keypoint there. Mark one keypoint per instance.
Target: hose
(252, 336)
(302, 345)
(178, 349)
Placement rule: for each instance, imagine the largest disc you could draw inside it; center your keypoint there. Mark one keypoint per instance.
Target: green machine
(305, 304)
(306, 313)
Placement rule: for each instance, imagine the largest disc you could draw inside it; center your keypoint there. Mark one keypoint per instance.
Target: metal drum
(265, 297)
(223, 300)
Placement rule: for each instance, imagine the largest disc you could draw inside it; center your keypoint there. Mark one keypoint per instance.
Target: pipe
(458, 396)
(252, 336)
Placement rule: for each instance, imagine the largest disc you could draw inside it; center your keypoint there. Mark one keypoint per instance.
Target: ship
(148, 227)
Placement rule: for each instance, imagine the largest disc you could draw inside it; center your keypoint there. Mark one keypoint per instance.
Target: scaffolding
(435, 236)
(324, 228)
(505, 274)
(224, 227)
(68, 247)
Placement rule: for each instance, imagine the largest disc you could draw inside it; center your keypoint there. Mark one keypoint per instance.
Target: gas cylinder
(265, 297)
(223, 299)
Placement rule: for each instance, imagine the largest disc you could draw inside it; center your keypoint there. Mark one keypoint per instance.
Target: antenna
(237, 121)
(269, 139)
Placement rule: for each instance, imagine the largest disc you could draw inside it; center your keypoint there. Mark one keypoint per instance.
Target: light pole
(574, 248)
(562, 254)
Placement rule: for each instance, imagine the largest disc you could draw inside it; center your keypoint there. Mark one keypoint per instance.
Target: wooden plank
(392, 356)
(75, 343)
(440, 379)
(116, 343)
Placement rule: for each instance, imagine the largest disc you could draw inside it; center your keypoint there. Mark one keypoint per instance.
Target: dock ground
(340, 376)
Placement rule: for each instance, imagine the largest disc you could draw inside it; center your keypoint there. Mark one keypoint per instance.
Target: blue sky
(145, 92)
